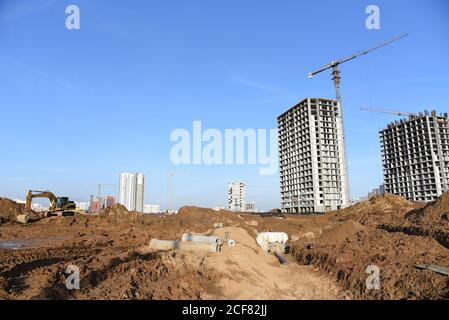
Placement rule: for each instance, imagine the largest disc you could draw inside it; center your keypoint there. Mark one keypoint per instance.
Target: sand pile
(433, 215)
(247, 272)
(9, 210)
(378, 209)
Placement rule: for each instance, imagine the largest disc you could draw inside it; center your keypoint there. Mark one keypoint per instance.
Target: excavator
(60, 206)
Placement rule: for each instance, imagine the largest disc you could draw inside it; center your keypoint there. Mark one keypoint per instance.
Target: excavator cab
(63, 203)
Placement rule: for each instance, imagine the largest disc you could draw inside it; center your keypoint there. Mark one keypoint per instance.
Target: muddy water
(17, 244)
(14, 244)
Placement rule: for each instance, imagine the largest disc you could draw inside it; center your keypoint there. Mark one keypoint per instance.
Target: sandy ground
(113, 265)
(328, 257)
(249, 273)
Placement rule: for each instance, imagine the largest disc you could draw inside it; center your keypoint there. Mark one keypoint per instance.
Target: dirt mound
(378, 209)
(433, 215)
(115, 210)
(390, 201)
(342, 232)
(105, 273)
(346, 252)
(343, 243)
(209, 214)
(9, 210)
(380, 232)
(119, 214)
(166, 275)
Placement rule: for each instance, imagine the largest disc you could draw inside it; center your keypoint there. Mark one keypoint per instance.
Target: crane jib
(355, 55)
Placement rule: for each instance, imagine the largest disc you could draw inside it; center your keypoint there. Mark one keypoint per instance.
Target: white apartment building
(312, 159)
(236, 196)
(151, 208)
(250, 207)
(131, 191)
(415, 156)
(83, 206)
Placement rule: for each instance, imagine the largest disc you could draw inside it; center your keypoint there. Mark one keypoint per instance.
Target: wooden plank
(434, 268)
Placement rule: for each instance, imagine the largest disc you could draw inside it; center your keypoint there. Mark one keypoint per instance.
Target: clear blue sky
(79, 107)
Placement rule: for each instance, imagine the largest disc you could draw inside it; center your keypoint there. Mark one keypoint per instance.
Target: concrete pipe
(200, 238)
(231, 243)
(184, 245)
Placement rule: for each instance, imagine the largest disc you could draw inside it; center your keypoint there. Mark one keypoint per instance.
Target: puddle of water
(15, 244)
(24, 243)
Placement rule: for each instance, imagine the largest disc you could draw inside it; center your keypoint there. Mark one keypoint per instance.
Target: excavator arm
(31, 194)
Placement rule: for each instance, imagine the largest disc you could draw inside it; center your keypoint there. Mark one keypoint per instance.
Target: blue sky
(81, 106)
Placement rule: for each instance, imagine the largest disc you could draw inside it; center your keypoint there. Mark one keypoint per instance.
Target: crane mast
(336, 79)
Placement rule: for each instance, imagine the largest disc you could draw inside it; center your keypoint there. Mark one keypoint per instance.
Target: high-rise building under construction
(312, 161)
(415, 156)
(236, 196)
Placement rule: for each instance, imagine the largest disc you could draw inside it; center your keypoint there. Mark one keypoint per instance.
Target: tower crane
(398, 113)
(336, 76)
(171, 174)
(100, 185)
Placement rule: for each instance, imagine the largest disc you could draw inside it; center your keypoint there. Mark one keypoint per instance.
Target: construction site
(319, 246)
(129, 255)
(123, 88)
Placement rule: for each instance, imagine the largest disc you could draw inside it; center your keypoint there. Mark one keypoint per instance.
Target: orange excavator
(60, 206)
